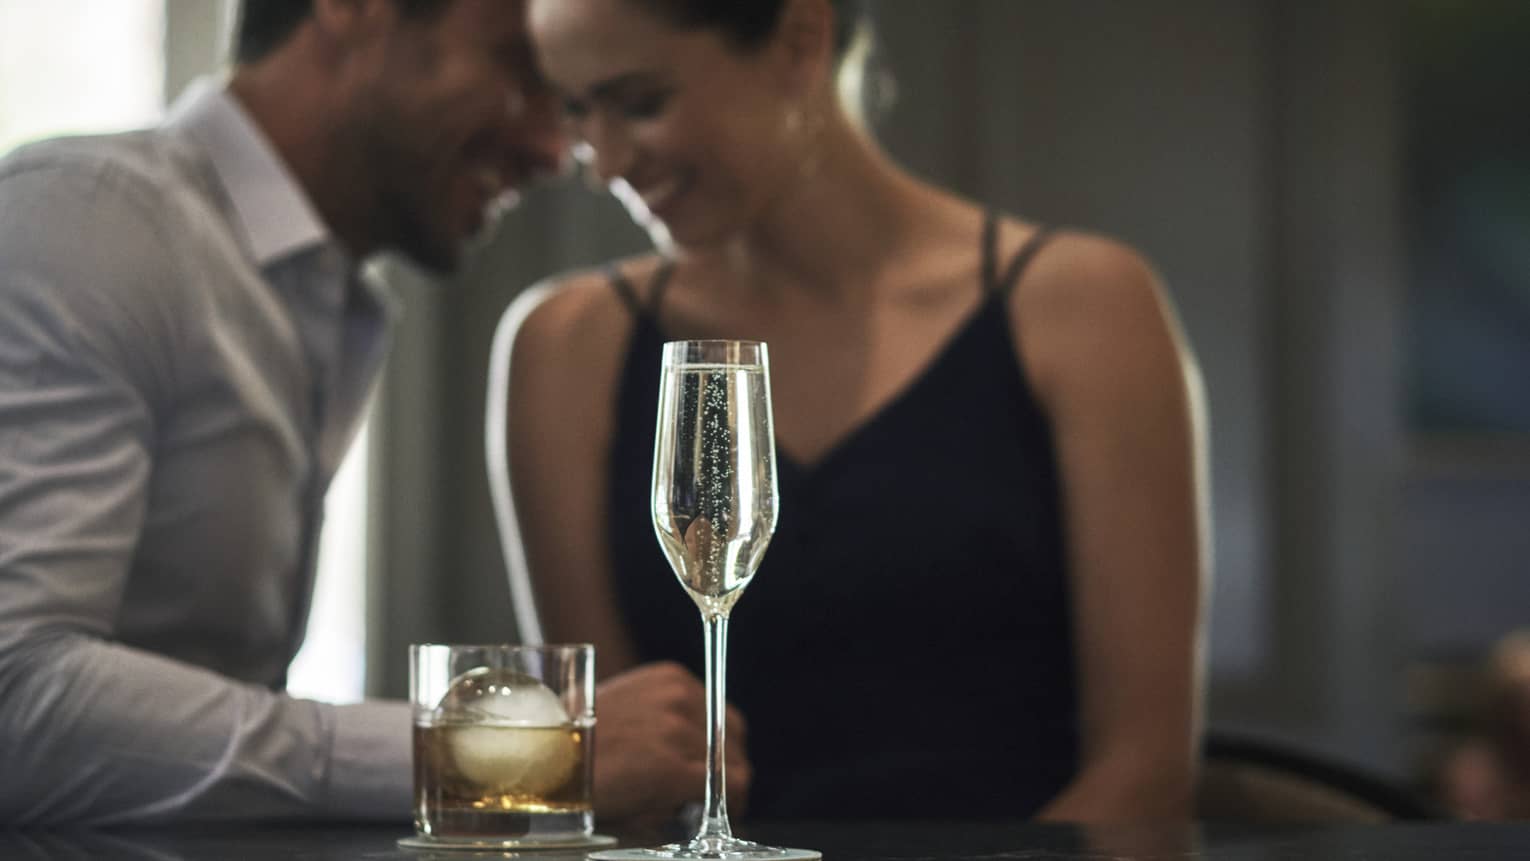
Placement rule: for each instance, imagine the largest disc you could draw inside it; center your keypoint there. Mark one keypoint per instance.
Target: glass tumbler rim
(434, 667)
(532, 647)
(529, 648)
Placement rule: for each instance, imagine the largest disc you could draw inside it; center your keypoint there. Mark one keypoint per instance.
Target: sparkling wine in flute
(716, 469)
(714, 509)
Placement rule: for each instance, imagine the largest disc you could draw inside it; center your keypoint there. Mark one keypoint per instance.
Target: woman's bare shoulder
(1075, 271)
(1085, 304)
(582, 312)
(571, 331)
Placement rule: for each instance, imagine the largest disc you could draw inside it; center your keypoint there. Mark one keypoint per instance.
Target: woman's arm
(1104, 353)
(564, 365)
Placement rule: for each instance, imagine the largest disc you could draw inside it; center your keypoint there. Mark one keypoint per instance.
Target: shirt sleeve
(92, 731)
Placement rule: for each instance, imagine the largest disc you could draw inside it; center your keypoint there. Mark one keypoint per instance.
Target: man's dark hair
(265, 24)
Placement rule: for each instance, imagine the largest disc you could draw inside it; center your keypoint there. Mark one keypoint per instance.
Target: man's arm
(92, 731)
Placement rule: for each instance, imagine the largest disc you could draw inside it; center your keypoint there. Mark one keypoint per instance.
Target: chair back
(496, 435)
(1253, 781)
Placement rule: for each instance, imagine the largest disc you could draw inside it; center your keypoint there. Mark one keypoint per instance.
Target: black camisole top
(905, 649)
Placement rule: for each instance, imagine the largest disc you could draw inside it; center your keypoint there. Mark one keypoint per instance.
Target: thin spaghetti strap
(658, 283)
(1021, 260)
(624, 289)
(990, 273)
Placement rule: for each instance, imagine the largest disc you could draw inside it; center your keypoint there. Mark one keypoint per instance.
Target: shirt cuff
(370, 772)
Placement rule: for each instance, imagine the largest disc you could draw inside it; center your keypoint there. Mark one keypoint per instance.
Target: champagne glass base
(709, 848)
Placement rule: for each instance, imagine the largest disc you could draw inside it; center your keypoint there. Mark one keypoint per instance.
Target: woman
(983, 597)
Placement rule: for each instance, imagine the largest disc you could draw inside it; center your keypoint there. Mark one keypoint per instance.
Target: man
(185, 350)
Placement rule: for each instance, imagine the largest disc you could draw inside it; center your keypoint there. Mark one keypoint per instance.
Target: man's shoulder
(103, 228)
(85, 149)
(147, 168)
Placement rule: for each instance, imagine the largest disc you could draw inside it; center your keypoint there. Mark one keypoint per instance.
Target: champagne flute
(714, 510)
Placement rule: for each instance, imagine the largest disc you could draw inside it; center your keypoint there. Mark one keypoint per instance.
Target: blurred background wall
(1264, 155)
(1338, 196)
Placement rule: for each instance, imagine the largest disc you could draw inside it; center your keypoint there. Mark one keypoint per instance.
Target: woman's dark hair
(866, 88)
(749, 23)
(265, 24)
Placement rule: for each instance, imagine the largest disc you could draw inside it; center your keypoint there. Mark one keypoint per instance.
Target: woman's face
(705, 134)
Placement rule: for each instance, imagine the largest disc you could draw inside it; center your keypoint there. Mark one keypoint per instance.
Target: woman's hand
(651, 746)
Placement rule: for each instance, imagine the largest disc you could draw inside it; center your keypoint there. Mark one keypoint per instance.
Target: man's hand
(651, 745)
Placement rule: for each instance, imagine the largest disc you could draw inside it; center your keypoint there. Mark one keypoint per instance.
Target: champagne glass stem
(714, 820)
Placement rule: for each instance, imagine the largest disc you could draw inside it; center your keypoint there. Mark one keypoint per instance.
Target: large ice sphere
(504, 697)
(510, 733)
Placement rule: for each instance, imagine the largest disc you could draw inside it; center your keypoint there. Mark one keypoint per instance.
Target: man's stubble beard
(403, 204)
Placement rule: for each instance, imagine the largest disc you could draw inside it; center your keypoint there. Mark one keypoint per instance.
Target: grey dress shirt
(184, 357)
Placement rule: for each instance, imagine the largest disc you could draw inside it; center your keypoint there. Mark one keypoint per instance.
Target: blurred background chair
(1249, 780)
(528, 625)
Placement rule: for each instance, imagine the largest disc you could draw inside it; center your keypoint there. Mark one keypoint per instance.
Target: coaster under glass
(505, 844)
(702, 848)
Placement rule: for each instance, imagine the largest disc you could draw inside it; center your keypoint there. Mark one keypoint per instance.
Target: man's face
(452, 121)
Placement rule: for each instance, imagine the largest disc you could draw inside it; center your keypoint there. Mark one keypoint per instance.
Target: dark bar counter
(861, 841)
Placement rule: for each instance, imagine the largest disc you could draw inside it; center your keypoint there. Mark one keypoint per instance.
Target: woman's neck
(848, 218)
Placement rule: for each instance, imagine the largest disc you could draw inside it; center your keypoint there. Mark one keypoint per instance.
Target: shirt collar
(276, 216)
